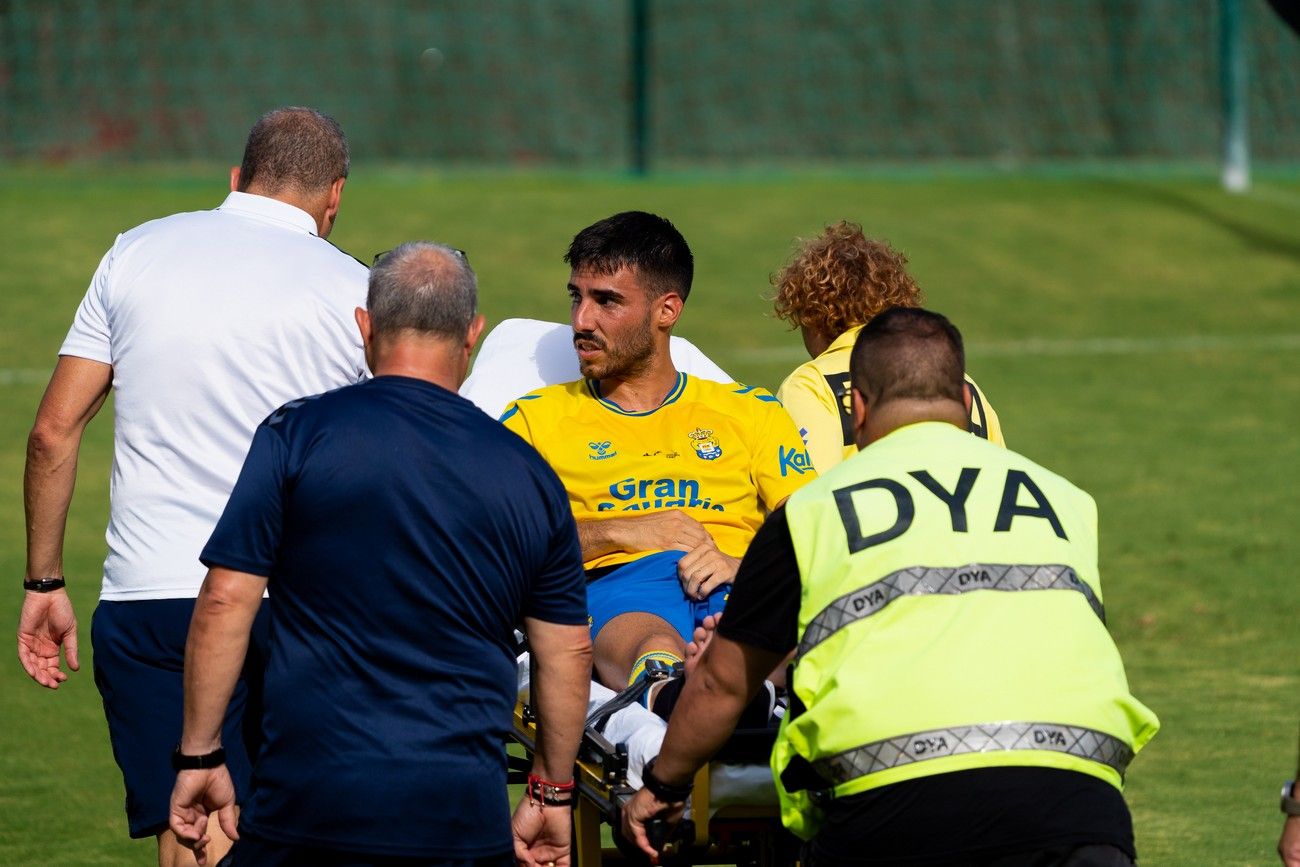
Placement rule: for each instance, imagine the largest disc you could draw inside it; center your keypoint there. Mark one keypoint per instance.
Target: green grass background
(1190, 449)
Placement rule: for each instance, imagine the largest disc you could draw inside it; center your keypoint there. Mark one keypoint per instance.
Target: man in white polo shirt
(203, 323)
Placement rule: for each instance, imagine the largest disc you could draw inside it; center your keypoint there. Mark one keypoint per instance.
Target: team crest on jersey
(705, 444)
(601, 451)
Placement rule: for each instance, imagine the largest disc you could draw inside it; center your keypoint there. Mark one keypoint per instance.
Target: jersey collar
(273, 210)
(593, 388)
(844, 341)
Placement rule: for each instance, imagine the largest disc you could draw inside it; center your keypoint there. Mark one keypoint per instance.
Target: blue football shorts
(651, 585)
(139, 658)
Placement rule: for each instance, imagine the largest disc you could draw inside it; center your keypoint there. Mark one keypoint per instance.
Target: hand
(705, 569)
(542, 834)
(1289, 846)
(196, 796)
(673, 530)
(47, 622)
(643, 807)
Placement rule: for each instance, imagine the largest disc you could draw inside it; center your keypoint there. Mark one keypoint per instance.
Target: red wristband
(545, 793)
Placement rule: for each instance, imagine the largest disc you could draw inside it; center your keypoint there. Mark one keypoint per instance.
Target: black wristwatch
(183, 762)
(663, 791)
(43, 585)
(1290, 804)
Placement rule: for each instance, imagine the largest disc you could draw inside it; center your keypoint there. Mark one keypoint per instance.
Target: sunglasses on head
(375, 261)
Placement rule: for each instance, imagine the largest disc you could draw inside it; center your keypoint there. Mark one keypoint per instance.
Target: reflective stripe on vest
(984, 738)
(931, 581)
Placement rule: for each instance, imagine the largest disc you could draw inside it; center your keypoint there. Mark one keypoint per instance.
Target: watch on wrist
(1290, 805)
(183, 762)
(665, 792)
(44, 585)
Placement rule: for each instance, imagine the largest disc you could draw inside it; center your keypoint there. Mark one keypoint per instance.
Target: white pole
(1234, 77)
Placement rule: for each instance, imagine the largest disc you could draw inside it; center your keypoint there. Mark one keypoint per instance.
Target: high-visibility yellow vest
(951, 618)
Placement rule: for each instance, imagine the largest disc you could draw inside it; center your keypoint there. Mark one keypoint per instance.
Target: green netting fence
(724, 82)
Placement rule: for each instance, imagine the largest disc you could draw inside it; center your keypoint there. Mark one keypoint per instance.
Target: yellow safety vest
(951, 618)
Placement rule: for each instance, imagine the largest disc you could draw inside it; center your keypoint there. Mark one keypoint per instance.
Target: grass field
(1141, 335)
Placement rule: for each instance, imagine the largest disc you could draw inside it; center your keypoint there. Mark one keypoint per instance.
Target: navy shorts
(253, 851)
(139, 656)
(651, 585)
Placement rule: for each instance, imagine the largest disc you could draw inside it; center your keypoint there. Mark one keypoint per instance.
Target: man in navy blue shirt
(402, 534)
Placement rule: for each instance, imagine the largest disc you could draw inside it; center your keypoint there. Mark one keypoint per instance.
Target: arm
(76, 391)
(214, 656)
(660, 531)
(760, 628)
(1289, 846)
(672, 530)
(728, 677)
(704, 567)
(563, 657)
(242, 550)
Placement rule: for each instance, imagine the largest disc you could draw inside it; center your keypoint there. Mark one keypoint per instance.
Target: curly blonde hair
(841, 279)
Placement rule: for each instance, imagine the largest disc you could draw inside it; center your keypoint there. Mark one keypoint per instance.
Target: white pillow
(521, 355)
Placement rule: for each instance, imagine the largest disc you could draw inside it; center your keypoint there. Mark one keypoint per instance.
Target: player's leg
(627, 641)
(638, 613)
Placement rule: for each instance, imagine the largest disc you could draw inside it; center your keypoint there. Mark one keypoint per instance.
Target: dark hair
(634, 239)
(909, 352)
(425, 287)
(294, 147)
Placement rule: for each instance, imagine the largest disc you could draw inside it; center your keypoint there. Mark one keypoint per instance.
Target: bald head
(908, 353)
(424, 288)
(294, 150)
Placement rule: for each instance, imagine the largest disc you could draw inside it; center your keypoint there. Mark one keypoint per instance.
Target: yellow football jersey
(816, 395)
(723, 454)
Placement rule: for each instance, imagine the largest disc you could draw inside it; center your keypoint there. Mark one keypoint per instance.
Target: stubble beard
(624, 361)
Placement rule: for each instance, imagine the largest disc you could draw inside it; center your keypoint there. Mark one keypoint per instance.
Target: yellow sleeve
(811, 404)
(516, 421)
(781, 464)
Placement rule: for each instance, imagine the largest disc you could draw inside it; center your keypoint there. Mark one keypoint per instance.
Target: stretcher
(732, 817)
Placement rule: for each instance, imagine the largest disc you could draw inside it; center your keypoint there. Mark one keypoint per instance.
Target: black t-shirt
(941, 819)
(405, 534)
(763, 608)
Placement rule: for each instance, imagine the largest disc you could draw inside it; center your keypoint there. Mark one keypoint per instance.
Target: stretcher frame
(750, 835)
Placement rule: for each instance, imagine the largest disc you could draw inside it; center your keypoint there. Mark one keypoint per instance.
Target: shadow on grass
(1255, 237)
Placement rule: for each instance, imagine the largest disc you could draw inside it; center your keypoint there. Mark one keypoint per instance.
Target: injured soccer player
(669, 476)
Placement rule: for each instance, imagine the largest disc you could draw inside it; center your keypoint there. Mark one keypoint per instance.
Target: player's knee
(662, 641)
